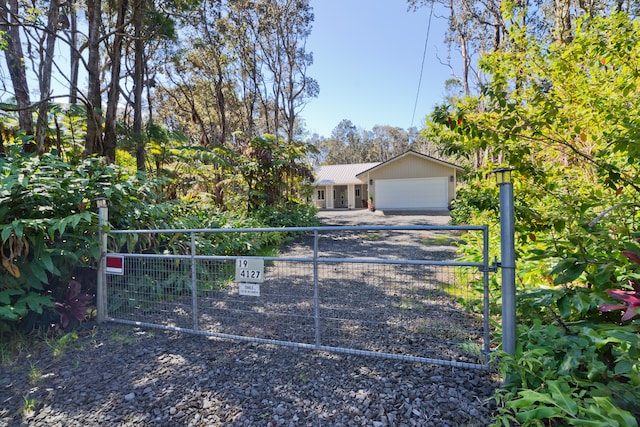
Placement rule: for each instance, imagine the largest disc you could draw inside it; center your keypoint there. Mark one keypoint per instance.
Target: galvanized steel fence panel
(319, 294)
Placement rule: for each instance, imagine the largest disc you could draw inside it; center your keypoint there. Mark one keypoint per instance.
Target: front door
(340, 197)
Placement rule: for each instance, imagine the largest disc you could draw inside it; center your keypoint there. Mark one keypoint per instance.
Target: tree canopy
(206, 69)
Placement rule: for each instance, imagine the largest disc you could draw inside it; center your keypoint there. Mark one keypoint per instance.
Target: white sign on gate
(250, 270)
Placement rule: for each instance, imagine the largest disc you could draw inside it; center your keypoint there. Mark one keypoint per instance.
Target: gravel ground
(116, 375)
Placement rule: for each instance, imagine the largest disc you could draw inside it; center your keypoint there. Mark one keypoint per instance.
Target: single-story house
(410, 181)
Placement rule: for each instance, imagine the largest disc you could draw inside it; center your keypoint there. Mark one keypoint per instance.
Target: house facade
(410, 181)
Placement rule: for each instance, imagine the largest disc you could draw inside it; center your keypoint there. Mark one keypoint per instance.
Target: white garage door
(423, 193)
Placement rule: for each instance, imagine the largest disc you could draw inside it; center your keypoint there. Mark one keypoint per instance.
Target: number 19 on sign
(250, 270)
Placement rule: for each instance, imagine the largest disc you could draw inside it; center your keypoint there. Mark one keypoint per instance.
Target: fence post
(194, 282)
(101, 287)
(316, 291)
(486, 296)
(508, 259)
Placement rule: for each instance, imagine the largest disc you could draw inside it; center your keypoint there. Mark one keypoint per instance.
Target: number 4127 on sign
(250, 270)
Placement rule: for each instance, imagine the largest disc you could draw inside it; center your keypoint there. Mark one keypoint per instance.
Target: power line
(424, 55)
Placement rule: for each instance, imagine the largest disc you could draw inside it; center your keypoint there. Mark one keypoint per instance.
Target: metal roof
(341, 174)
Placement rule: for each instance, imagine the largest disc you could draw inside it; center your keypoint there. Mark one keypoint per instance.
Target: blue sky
(367, 58)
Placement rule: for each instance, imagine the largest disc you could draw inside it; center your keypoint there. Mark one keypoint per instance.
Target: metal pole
(508, 260)
(101, 290)
(316, 292)
(194, 282)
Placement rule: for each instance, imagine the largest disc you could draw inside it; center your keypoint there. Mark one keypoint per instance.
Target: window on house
(358, 192)
(320, 194)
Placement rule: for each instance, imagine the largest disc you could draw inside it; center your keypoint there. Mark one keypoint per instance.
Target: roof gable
(410, 153)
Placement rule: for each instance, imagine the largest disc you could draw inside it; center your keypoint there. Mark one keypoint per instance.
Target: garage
(417, 193)
(409, 181)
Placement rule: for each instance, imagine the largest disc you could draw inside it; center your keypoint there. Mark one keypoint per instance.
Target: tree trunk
(74, 54)
(563, 21)
(44, 75)
(15, 64)
(138, 83)
(93, 142)
(110, 137)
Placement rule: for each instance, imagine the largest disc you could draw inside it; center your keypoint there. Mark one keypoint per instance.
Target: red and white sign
(115, 264)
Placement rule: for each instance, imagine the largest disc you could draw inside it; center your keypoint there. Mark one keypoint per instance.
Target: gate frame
(484, 267)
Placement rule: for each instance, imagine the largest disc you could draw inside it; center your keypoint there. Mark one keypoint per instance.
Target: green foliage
(44, 234)
(582, 373)
(288, 214)
(473, 199)
(562, 116)
(172, 277)
(48, 231)
(273, 172)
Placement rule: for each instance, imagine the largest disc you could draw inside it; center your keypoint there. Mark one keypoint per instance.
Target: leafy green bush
(48, 232)
(574, 364)
(288, 214)
(45, 235)
(582, 373)
(472, 200)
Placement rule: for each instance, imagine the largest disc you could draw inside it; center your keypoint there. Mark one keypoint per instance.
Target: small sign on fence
(249, 289)
(115, 265)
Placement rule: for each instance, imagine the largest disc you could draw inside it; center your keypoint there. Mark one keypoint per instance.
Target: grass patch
(28, 407)
(34, 375)
(59, 346)
(413, 304)
(373, 235)
(471, 349)
(433, 239)
(11, 349)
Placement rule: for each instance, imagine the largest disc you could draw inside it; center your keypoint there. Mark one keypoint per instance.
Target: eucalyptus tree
(16, 62)
(345, 145)
(69, 22)
(48, 44)
(389, 141)
(40, 28)
(284, 26)
(199, 96)
(113, 92)
(93, 101)
(142, 30)
(256, 63)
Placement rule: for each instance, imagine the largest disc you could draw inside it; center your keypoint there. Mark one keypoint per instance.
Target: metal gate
(384, 291)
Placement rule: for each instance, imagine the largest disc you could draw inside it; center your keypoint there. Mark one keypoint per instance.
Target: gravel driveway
(115, 375)
(365, 217)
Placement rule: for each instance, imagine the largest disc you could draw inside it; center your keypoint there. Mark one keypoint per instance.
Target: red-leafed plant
(631, 298)
(73, 308)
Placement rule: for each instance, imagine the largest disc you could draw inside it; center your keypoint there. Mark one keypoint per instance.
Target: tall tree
(44, 73)
(139, 74)
(74, 49)
(282, 34)
(113, 93)
(93, 140)
(9, 23)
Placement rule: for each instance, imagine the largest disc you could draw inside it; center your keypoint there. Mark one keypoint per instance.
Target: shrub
(48, 231)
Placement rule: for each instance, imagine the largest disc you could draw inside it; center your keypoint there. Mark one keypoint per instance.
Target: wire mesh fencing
(383, 291)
